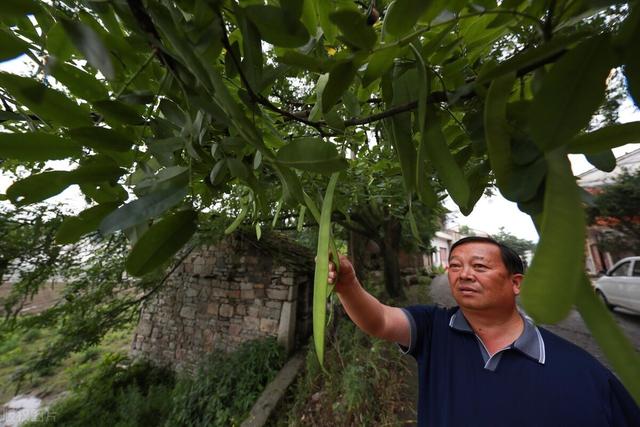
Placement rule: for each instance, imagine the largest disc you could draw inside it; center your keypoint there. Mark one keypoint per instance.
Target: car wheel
(604, 299)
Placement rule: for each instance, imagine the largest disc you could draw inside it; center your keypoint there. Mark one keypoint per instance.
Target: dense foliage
(521, 246)
(119, 393)
(362, 384)
(616, 208)
(197, 106)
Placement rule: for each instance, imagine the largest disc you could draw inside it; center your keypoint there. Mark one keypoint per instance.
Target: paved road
(572, 328)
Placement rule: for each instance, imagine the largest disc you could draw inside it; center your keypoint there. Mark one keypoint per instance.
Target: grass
(367, 381)
(18, 347)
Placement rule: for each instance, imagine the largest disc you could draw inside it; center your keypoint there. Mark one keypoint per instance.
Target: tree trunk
(390, 251)
(357, 253)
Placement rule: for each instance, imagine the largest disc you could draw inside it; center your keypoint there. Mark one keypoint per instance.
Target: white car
(620, 287)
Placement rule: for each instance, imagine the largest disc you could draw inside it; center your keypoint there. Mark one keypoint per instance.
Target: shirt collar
(530, 343)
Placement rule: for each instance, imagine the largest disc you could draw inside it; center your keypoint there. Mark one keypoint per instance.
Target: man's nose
(466, 272)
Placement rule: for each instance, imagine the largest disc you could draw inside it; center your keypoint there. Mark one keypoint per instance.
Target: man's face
(479, 280)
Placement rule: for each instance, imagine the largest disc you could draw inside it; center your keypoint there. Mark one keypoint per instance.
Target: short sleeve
(624, 410)
(420, 323)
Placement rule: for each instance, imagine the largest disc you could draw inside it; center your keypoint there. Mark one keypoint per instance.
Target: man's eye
(480, 267)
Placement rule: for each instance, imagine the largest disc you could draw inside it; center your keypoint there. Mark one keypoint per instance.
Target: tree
(617, 207)
(185, 102)
(521, 246)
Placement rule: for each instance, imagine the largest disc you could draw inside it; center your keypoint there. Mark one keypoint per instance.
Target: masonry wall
(223, 295)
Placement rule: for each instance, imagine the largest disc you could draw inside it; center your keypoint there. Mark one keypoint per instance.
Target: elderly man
(484, 363)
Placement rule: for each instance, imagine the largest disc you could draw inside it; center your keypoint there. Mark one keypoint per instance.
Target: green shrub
(116, 393)
(226, 386)
(360, 385)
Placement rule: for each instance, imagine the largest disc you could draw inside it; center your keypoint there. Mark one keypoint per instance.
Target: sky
(489, 214)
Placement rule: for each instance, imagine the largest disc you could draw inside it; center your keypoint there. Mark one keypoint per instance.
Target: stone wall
(225, 294)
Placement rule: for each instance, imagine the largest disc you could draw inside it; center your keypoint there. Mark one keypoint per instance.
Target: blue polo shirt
(538, 380)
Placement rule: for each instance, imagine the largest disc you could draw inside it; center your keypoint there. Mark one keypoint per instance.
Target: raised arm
(369, 314)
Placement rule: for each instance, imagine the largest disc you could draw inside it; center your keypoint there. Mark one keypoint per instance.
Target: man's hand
(345, 278)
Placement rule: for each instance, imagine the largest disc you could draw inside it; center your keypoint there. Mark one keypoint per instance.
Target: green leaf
(324, 11)
(449, 172)
(215, 172)
(277, 214)
(413, 225)
(320, 285)
(496, 128)
(41, 186)
(354, 28)
(313, 155)
(275, 28)
(402, 15)
(88, 42)
(529, 57)
(627, 45)
(38, 187)
(291, 188)
(252, 61)
(44, 101)
(96, 170)
(524, 181)
(379, 63)
(300, 225)
(150, 206)
(339, 80)
(423, 88)
(306, 62)
(58, 45)
(79, 82)
(605, 160)
(238, 169)
(549, 287)
(11, 46)
(35, 146)
(605, 138)
(88, 220)
(614, 343)
(101, 139)
(18, 8)
(236, 222)
(570, 94)
(160, 242)
(310, 16)
(118, 113)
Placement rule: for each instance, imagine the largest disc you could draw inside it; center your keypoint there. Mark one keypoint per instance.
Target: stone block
(253, 311)
(274, 304)
(247, 294)
(226, 310)
(287, 280)
(241, 310)
(233, 294)
(144, 328)
(278, 294)
(235, 329)
(268, 326)
(188, 312)
(251, 322)
(212, 308)
(293, 293)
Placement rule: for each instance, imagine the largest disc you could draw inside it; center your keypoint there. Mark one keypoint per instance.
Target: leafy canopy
(464, 90)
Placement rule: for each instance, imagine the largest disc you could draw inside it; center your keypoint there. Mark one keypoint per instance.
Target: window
(621, 270)
(636, 268)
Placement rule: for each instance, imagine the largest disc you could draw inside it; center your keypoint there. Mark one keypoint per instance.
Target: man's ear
(516, 282)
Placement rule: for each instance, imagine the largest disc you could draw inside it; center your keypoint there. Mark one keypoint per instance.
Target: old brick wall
(225, 294)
